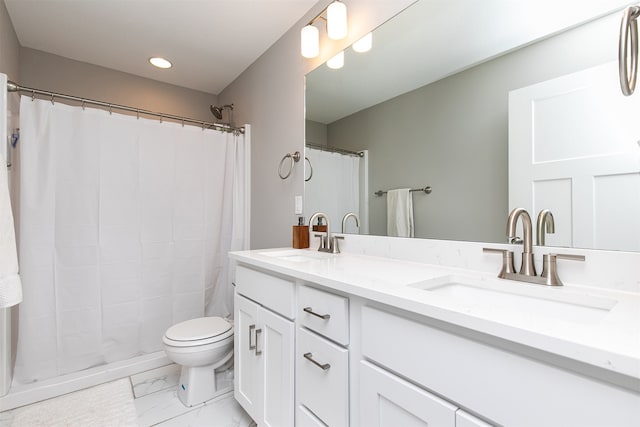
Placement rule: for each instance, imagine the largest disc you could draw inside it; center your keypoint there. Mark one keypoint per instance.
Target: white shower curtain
(333, 188)
(125, 225)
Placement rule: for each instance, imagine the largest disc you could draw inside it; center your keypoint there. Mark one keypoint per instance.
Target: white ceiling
(433, 39)
(210, 42)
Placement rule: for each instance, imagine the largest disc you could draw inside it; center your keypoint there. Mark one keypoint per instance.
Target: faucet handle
(334, 244)
(507, 261)
(323, 241)
(550, 267)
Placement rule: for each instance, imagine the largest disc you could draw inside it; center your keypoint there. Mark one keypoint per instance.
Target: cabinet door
(275, 348)
(389, 401)
(464, 419)
(247, 383)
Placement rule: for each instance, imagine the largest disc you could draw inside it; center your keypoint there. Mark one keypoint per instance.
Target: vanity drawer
(304, 418)
(274, 293)
(324, 313)
(324, 391)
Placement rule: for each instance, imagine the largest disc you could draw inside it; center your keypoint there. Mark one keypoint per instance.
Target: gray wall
(453, 135)
(55, 73)
(315, 132)
(270, 96)
(9, 46)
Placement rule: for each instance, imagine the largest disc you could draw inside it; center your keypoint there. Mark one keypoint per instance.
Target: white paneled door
(574, 148)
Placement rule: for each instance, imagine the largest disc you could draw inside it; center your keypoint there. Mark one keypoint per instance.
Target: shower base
(25, 394)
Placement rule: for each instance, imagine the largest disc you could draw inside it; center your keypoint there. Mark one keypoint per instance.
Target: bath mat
(109, 404)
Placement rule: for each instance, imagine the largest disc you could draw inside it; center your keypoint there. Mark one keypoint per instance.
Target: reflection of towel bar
(427, 190)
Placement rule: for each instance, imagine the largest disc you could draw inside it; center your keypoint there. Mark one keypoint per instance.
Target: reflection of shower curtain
(334, 187)
(125, 227)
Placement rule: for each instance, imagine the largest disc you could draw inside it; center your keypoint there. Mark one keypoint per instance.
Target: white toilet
(200, 346)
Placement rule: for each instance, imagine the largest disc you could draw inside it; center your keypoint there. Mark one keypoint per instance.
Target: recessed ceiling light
(160, 62)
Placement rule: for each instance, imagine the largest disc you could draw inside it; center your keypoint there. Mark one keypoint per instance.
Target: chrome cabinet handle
(323, 366)
(251, 329)
(258, 332)
(310, 311)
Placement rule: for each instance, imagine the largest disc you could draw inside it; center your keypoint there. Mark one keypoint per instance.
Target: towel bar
(427, 190)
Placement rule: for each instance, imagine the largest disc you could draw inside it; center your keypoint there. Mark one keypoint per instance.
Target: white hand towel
(400, 213)
(10, 285)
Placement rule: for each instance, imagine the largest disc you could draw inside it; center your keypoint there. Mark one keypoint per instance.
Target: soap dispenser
(320, 227)
(300, 235)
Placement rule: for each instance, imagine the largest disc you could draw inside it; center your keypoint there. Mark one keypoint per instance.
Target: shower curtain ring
(160, 118)
(109, 109)
(33, 95)
(137, 114)
(52, 96)
(83, 102)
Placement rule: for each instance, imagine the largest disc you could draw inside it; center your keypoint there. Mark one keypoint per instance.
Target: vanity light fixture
(160, 62)
(310, 41)
(336, 20)
(337, 61)
(364, 44)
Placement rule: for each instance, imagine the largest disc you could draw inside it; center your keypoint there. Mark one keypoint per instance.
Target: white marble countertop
(606, 336)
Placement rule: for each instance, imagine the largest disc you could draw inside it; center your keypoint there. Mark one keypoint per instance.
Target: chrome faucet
(527, 268)
(346, 217)
(549, 275)
(327, 243)
(544, 224)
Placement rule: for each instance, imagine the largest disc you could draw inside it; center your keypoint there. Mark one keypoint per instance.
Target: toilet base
(197, 384)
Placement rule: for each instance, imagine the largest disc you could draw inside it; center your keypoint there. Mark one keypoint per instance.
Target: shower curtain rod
(14, 87)
(334, 149)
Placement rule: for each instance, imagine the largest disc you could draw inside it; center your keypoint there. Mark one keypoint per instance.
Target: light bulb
(337, 61)
(309, 41)
(364, 44)
(337, 20)
(160, 62)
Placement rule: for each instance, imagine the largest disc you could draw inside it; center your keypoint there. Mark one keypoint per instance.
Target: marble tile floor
(156, 402)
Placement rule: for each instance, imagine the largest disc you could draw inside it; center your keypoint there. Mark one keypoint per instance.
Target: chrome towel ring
(293, 159)
(628, 26)
(310, 170)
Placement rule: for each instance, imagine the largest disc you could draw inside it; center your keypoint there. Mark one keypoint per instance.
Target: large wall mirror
(433, 104)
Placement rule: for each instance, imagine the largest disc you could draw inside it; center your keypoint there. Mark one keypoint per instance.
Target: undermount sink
(522, 300)
(298, 255)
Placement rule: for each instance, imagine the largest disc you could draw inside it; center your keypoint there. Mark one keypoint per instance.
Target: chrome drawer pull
(323, 366)
(251, 328)
(258, 332)
(322, 316)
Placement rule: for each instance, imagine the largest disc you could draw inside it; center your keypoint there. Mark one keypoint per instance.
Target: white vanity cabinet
(485, 376)
(264, 347)
(361, 360)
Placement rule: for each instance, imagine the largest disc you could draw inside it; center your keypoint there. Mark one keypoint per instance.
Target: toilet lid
(198, 329)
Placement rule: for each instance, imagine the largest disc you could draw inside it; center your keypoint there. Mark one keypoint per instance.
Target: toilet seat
(196, 332)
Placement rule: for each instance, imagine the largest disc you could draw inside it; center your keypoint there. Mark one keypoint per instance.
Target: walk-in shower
(124, 242)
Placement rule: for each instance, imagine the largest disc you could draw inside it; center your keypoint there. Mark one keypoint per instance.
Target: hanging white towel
(400, 213)
(10, 285)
